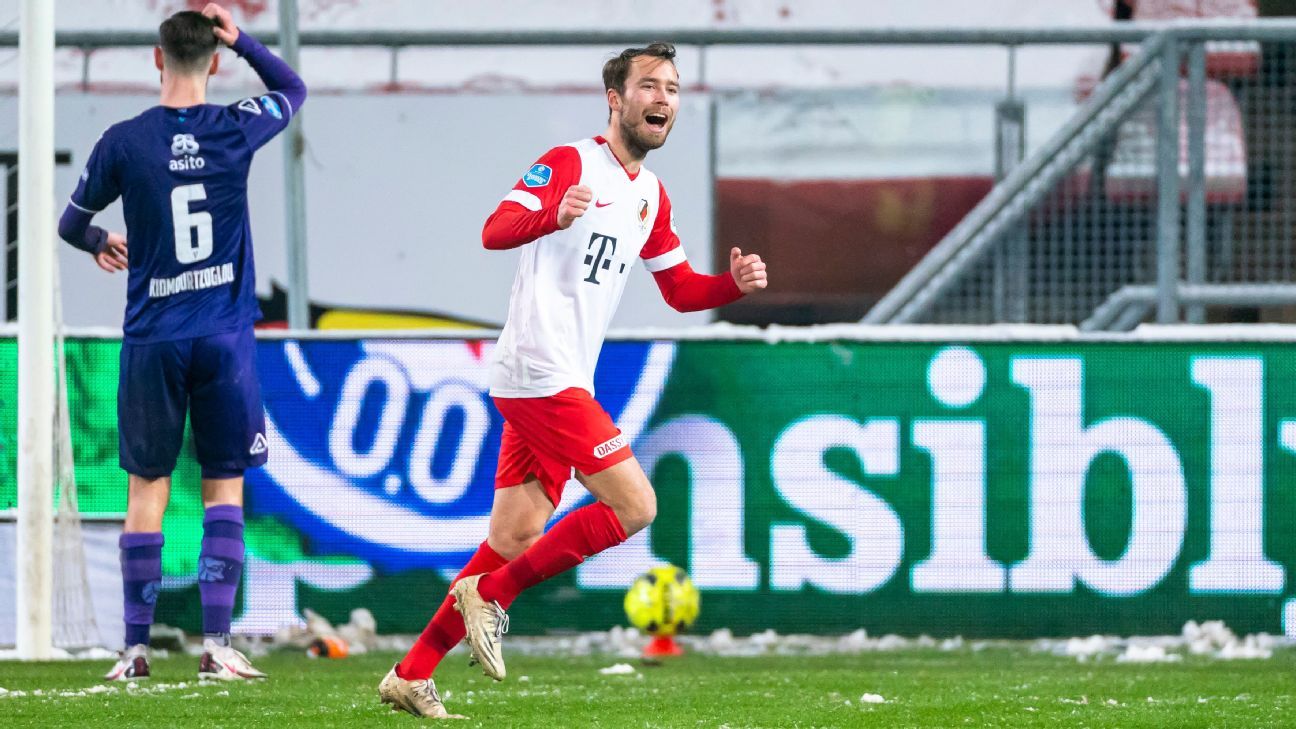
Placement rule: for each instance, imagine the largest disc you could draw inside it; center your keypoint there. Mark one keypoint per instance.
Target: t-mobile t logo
(601, 249)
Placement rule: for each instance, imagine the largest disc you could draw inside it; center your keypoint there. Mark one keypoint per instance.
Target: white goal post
(35, 576)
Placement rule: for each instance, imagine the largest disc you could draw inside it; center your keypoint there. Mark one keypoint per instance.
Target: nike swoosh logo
(602, 204)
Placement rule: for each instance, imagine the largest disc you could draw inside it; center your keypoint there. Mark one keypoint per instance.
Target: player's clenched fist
(747, 271)
(573, 205)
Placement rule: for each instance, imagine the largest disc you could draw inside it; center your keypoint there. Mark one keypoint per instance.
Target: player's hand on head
(573, 205)
(226, 31)
(111, 256)
(748, 271)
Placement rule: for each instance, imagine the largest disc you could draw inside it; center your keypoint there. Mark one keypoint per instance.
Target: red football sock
(582, 533)
(446, 628)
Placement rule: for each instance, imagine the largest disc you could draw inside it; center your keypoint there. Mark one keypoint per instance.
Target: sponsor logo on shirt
(603, 450)
(602, 249)
(203, 278)
(272, 106)
(537, 176)
(186, 148)
(250, 106)
(183, 144)
(186, 163)
(258, 445)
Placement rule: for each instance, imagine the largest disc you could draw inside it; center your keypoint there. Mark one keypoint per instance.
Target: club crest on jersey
(643, 214)
(537, 176)
(272, 106)
(185, 147)
(250, 106)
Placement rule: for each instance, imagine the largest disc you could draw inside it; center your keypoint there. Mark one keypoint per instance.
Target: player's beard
(639, 144)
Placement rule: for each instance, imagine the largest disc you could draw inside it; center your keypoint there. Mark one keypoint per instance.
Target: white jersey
(569, 282)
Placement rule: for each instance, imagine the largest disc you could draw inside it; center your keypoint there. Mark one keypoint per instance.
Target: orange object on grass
(662, 646)
(328, 647)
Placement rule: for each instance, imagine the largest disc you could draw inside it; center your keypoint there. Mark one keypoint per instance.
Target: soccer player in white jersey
(582, 213)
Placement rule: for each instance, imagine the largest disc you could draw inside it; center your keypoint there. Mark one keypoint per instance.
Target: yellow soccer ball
(663, 601)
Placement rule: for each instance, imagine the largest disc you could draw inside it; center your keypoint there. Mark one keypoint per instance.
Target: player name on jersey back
(203, 278)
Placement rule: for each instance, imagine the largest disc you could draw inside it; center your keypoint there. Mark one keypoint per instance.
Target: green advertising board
(984, 488)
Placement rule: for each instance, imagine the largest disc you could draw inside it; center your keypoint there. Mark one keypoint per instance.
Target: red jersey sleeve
(683, 288)
(530, 210)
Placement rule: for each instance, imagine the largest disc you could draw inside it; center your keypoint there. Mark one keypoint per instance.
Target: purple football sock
(220, 566)
(141, 565)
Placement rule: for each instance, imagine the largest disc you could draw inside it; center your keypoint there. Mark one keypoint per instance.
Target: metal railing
(1161, 193)
(1009, 38)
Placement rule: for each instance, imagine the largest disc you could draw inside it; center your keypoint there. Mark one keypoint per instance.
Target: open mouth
(656, 122)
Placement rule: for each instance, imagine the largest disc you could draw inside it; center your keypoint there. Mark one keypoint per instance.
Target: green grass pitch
(993, 687)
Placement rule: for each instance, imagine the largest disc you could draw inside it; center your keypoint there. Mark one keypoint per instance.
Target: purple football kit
(187, 344)
(191, 300)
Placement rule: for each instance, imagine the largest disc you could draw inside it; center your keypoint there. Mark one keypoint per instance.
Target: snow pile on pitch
(629, 643)
(130, 689)
(723, 642)
(1147, 654)
(61, 654)
(1211, 639)
(619, 669)
(360, 633)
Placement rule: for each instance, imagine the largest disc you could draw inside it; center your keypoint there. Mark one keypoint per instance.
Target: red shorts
(546, 437)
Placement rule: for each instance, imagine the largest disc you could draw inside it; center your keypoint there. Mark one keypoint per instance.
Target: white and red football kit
(567, 288)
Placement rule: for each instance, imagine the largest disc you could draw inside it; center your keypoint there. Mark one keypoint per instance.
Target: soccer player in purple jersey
(181, 171)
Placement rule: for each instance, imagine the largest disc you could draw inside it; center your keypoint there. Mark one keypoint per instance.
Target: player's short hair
(617, 69)
(188, 41)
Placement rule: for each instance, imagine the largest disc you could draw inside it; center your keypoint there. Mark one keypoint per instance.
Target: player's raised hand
(226, 31)
(747, 271)
(111, 256)
(573, 205)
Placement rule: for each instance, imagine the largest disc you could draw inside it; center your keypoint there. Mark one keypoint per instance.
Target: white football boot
(485, 624)
(132, 665)
(223, 663)
(418, 697)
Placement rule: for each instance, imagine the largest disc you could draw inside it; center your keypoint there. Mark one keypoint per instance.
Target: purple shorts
(214, 379)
